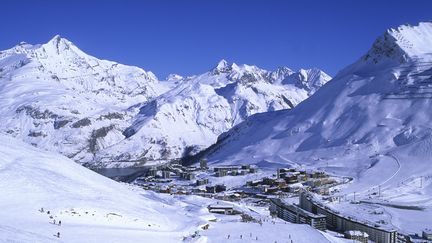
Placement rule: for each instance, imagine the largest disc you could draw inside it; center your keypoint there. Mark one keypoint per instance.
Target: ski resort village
(93, 150)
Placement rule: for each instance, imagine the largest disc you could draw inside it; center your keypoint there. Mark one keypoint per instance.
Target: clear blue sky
(189, 37)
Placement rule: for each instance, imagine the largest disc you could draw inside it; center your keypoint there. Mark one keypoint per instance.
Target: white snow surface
(372, 122)
(46, 89)
(56, 97)
(189, 117)
(93, 208)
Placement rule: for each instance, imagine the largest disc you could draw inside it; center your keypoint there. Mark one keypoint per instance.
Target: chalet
(294, 188)
(191, 169)
(268, 181)
(203, 164)
(187, 176)
(318, 174)
(254, 183)
(322, 190)
(165, 189)
(280, 183)
(313, 183)
(201, 182)
(270, 190)
(198, 190)
(283, 172)
(216, 189)
(221, 173)
(302, 177)
(357, 236)
(166, 174)
(245, 167)
(427, 234)
(233, 173)
(220, 188)
(226, 168)
(222, 209)
(211, 189)
(243, 172)
(151, 172)
(291, 177)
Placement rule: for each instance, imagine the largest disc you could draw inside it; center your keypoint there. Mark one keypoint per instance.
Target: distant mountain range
(58, 98)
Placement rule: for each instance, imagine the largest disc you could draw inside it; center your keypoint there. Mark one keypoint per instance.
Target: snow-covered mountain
(56, 97)
(189, 117)
(371, 122)
(383, 99)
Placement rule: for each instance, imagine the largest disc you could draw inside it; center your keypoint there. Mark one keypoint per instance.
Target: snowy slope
(55, 96)
(372, 122)
(189, 117)
(92, 208)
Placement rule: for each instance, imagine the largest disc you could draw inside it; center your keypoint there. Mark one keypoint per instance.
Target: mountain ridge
(61, 99)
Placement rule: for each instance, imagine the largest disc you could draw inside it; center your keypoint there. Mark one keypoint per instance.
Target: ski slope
(92, 208)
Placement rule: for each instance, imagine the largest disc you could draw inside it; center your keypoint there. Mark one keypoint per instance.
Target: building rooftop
(295, 208)
(317, 202)
(356, 233)
(221, 206)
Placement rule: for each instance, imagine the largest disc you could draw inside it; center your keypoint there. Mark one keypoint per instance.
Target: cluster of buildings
(234, 170)
(174, 170)
(339, 222)
(287, 180)
(424, 237)
(312, 212)
(200, 184)
(321, 217)
(291, 180)
(294, 214)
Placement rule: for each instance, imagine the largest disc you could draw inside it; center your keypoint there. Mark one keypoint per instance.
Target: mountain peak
(222, 64)
(59, 44)
(174, 77)
(402, 43)
(222, 67)
(414, 40)
(56, 38)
